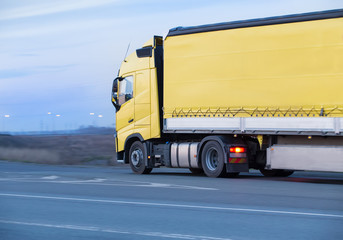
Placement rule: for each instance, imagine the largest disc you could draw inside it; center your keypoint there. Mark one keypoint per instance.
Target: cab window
(125, 90)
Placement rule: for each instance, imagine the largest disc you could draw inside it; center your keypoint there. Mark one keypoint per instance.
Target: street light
(4, 122)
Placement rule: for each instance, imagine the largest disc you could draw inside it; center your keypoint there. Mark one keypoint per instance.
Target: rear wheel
(137, 158)
(276, 173)
(212, 159)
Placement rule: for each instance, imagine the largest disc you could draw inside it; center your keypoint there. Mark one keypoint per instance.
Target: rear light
(237, 150)
(238, 155)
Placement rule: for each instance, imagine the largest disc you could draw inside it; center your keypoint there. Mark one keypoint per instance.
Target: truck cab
(135, 96)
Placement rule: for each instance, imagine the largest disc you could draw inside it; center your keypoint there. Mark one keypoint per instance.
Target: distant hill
(7, 140)
(89, 130)
(95, 130)
(91, 145)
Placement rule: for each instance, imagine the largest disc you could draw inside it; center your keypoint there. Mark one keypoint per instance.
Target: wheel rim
(136, 157)
(212, 159)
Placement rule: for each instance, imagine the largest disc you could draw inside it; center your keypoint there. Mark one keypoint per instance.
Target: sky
(58, 58)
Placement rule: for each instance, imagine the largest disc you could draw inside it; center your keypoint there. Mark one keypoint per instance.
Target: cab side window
(125, 90)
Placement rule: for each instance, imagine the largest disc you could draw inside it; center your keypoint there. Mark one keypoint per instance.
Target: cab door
(126, 114)
(142, 103)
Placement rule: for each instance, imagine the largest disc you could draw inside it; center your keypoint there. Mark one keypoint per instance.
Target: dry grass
(71, 149)
(30, 155)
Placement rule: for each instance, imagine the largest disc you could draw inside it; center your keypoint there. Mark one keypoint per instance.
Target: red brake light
(237, 150)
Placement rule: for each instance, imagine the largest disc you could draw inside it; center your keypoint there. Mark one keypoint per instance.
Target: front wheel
(212, 159)
(137, 158)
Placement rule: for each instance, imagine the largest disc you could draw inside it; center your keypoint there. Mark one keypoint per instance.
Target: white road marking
(101, 181)
(111, 230)
(164, 185)
(95, 180)
(176, 205)
(50, 177)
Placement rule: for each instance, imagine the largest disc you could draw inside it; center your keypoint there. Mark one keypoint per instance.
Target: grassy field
(67, 149)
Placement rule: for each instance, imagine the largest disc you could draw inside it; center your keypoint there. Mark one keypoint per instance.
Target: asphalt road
(87, 202)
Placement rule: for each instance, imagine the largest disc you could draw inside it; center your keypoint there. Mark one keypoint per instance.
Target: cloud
(55, 67)
(50, 7)
(13, 73)
(26, 55)
(24, 72)
(56, 28)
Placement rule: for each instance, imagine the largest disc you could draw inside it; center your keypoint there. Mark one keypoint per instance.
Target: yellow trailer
(223, 98)
(289, 69)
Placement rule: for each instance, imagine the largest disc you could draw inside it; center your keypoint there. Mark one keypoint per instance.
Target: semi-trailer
(224, 98)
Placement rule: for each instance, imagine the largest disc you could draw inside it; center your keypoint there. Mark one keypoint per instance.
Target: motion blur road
(92, 202)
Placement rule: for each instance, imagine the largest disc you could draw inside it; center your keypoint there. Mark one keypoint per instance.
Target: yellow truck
(224, 98)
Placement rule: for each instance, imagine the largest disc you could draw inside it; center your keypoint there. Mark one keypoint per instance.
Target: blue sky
(61, 56)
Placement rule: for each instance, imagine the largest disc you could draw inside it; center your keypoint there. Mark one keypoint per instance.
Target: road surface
(88, 202)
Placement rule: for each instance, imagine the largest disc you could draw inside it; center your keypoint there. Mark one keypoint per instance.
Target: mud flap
(237, 167)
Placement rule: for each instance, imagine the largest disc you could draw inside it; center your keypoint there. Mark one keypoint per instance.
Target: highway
(110, 202)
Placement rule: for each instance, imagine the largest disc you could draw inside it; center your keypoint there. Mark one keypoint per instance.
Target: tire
(284, 173)
(276, 173)
(197, 171)
(137, 158)
(212, 160)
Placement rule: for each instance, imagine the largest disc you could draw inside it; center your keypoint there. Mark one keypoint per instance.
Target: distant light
(91, 113)
(49, 113)
(57, 115)
(100, 116)
(7, 116)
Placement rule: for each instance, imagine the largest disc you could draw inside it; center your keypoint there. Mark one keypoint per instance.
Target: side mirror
(128, 97)
(115, 93)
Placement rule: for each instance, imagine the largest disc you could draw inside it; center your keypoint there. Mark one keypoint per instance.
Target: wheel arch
(128, 143)
(220, 139)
